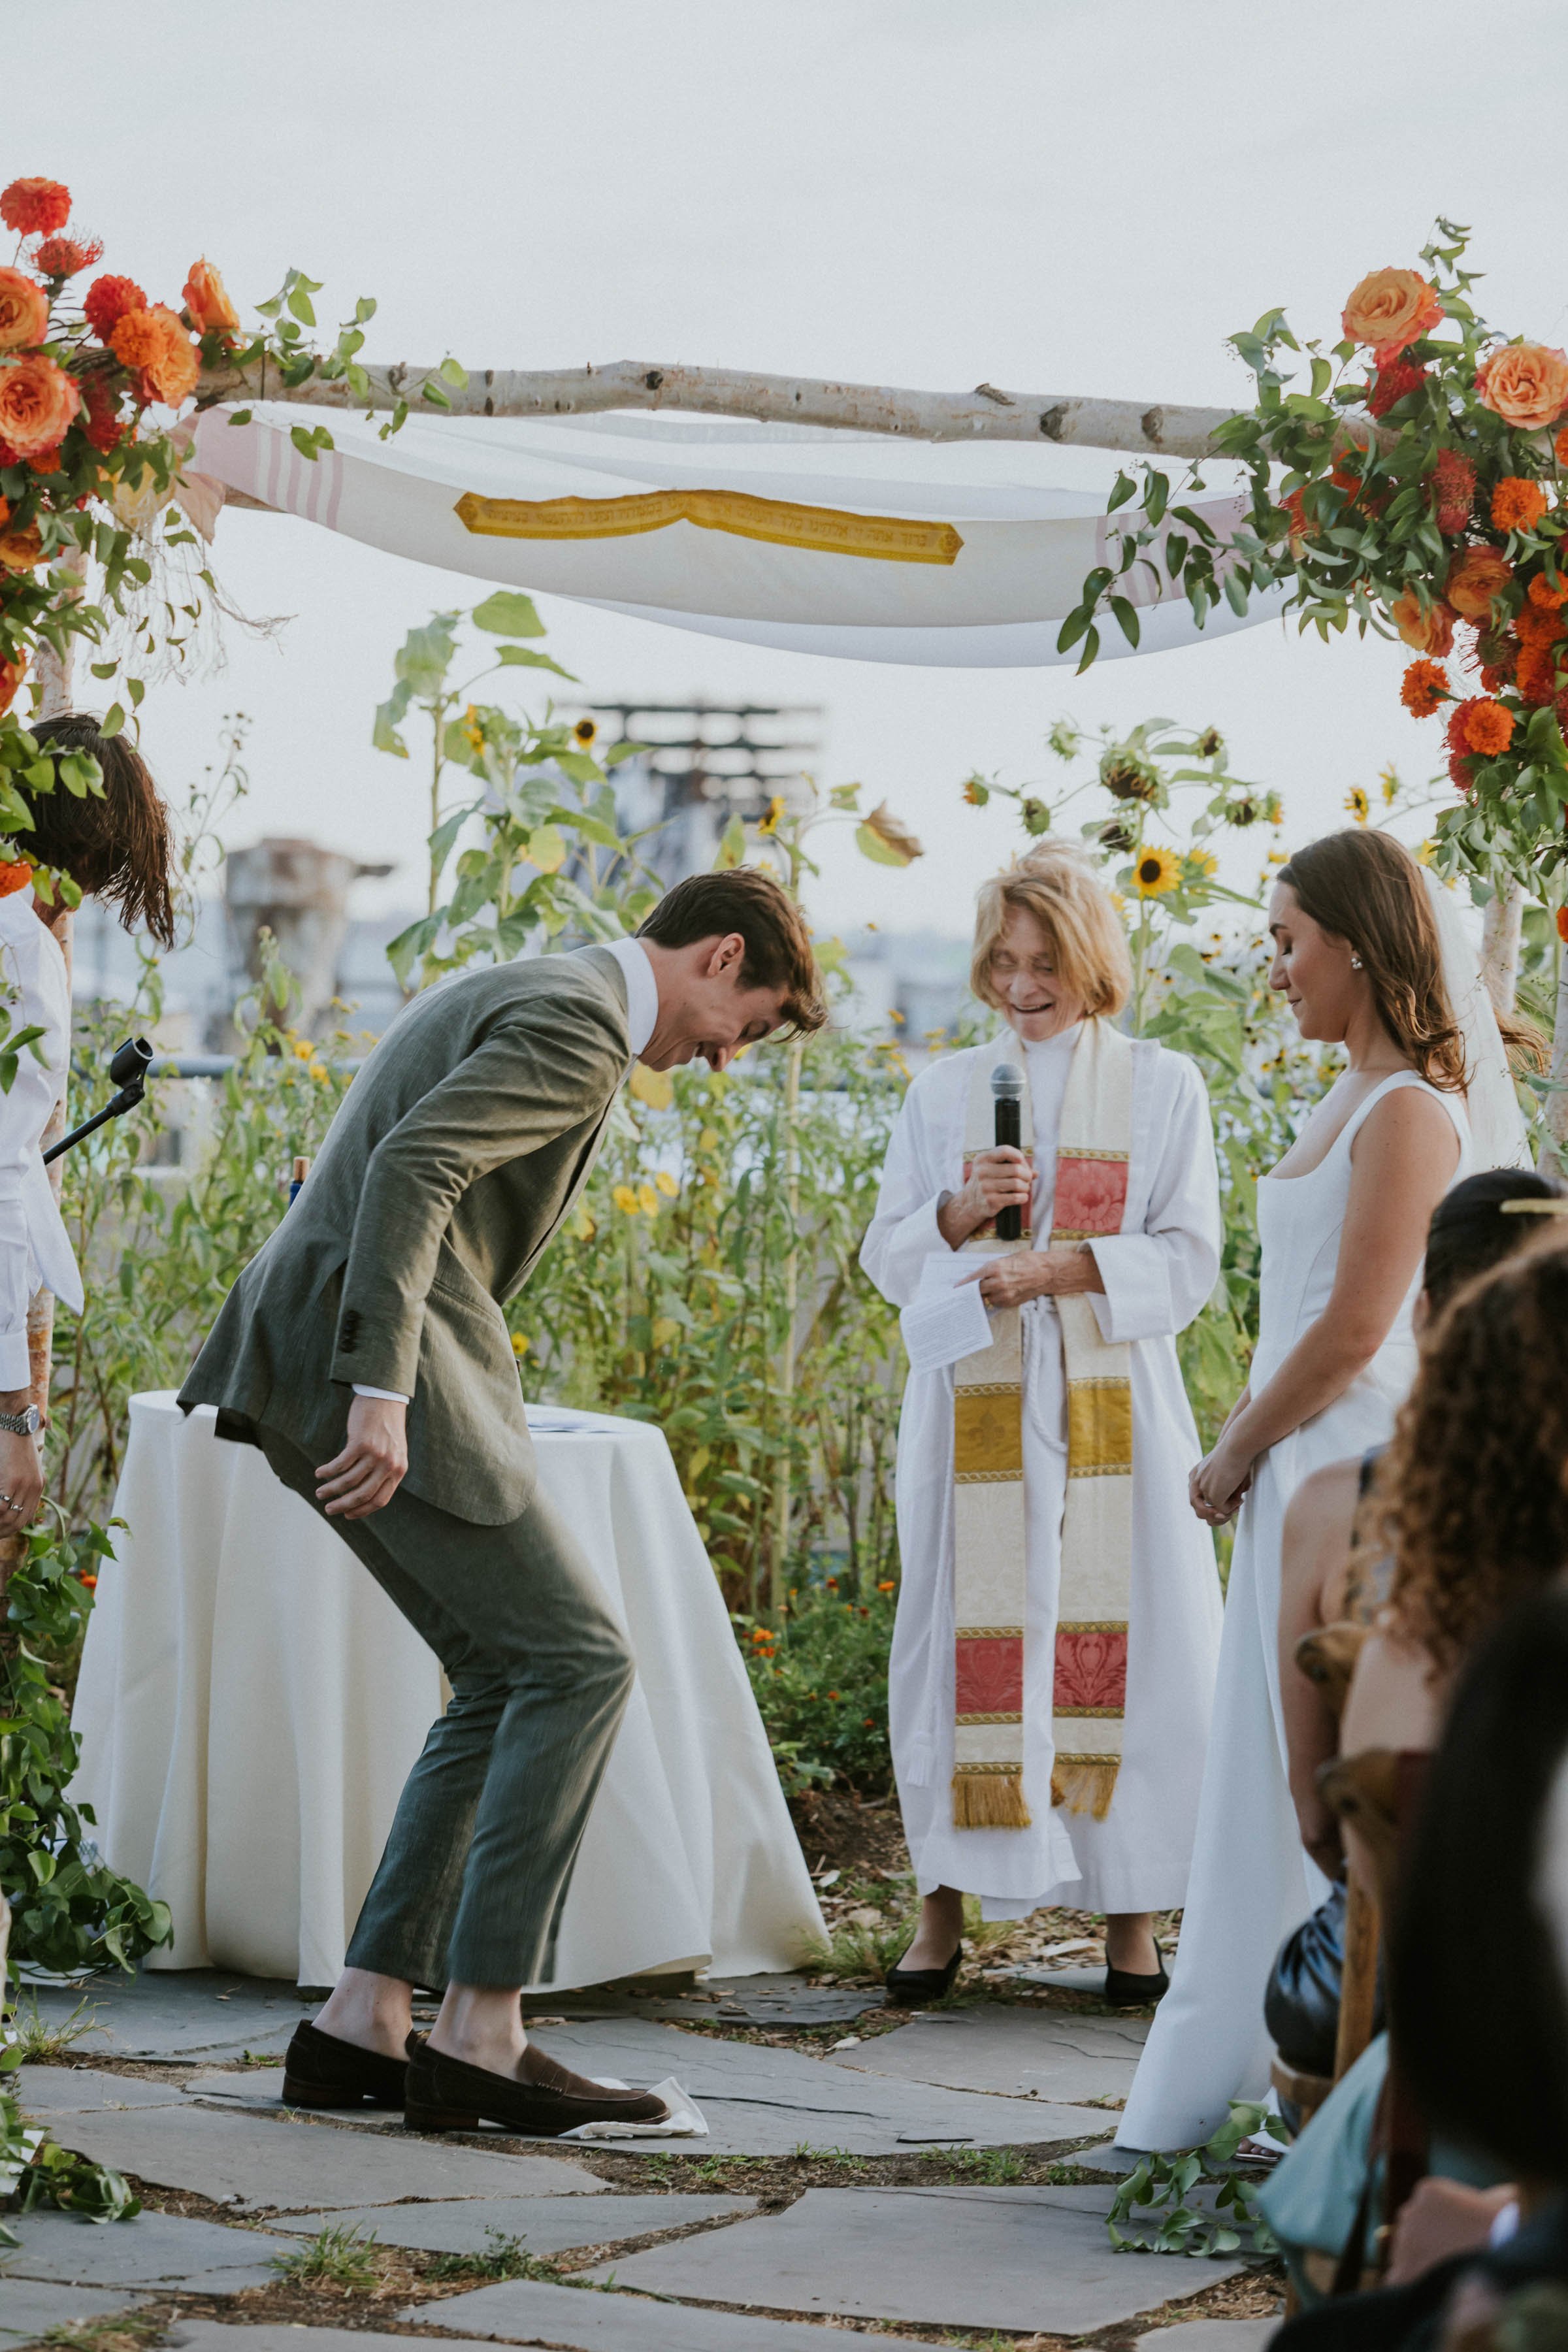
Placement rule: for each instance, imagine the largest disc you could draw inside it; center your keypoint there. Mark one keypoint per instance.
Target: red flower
(103, 426)
(1392, 384)
(1535, 674)
(1549, 592)
(107, 302)
(11, 673)
(34, 207)
(1488, 726)
(1452, 483)
(1563, 922)
(1460, 773)
(63, 256)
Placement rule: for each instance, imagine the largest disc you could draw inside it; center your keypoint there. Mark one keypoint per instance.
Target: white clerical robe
(1157, 1274)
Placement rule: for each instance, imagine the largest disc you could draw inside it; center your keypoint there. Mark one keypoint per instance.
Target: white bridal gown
(1157, 1274)
(1252, 1882)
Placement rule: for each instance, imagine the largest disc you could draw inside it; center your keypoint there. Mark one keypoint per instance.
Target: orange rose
(1478, 575)
(21, 548)
(155, 343)
(37, 401)
(206, 301)
(11, 673)
(1524, 383)
(1428, 632)
(1389, 310)
(24, 311)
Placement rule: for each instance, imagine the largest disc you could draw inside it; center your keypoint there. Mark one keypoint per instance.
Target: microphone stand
(129, 1070)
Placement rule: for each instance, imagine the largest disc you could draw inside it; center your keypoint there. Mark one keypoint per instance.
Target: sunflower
(586, 734)
(1358, 805)
(1201, 864)
(1156, 872)
(769, 822)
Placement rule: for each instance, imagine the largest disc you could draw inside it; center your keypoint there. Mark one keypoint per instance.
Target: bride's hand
(1217, 1487)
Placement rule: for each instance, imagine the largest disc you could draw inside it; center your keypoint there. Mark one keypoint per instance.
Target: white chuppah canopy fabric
(794, 537)
(250, 1704)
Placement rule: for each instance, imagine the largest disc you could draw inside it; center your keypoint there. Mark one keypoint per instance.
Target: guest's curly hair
(1476, 1478)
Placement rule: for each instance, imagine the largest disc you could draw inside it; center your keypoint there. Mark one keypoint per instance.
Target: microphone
(1008, 1092)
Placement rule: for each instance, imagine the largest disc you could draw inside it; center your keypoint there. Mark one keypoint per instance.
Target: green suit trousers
(472, 1883)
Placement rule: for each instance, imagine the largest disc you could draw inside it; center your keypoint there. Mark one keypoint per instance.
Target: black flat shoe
(447, 2094)
(917, 1988)
(1125, 1990)
(323, 2072)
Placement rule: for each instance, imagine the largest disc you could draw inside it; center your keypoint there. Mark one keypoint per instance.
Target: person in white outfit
(1369, 956)
(1050, 955)
(114, 843)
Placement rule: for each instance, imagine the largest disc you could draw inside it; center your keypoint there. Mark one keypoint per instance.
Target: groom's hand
(369, 1471)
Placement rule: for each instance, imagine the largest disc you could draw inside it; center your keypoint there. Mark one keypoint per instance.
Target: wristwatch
(21, 1425)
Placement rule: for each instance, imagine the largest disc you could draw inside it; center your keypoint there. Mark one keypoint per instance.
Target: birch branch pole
(1150, 428)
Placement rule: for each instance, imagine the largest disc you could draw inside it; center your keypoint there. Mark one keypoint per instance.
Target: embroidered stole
(990, 1571)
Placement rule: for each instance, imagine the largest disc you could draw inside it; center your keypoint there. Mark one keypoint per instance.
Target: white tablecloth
(250, 1704)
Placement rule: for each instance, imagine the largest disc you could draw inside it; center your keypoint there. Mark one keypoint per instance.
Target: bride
(1371, 956)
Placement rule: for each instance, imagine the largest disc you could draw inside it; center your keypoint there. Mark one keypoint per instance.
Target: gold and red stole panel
(990, 1563)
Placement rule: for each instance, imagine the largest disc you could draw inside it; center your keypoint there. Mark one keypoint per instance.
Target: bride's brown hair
(1366, 889)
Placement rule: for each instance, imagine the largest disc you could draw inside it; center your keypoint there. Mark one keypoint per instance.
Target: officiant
(1058, 1618)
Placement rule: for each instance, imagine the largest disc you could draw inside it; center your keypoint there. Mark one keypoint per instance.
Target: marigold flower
(1358, 805)
(15, 875)
(1534, 625)
(153, 342)
(1424, 688)
(1389, 310)
(34, 207)
(67, 256)
(1518, 504)
(1156, 872)
(1549, 590)
(1392, 384)
(1535, 674)
(24, 311)
(1452, 483)
(1428, 630)
(106, 300)
(11, 673)
(37, 402)
(1476, 578)
(1524, 383)
(1488, 726)
(207, 302)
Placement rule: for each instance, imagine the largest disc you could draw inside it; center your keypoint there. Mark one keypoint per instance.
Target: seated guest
(1480, 1978)
(1330, 1573)
(115, 845)
(1476, 1517)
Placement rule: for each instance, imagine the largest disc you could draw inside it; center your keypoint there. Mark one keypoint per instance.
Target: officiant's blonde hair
(1057, 884)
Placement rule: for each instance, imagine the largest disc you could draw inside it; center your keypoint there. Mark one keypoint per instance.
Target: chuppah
(1091, 1592)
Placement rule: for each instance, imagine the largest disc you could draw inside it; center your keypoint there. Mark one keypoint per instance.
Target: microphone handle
(1009, 1222)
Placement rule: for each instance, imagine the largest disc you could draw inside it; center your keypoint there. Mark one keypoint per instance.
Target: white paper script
(949, 1323)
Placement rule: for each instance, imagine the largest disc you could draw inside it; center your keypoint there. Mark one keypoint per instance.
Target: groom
(364, 1350)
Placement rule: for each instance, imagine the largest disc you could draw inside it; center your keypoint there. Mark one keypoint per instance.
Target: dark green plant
(1151, 2214)
(35, 2171)
(820, 1676)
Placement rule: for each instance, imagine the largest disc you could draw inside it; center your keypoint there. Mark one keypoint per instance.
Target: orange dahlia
(1424, 687)
(1517, 504)
(34, 207)
(1489, 728)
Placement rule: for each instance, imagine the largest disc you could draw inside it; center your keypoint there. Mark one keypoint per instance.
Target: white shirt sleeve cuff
(1136, 1300)
(389, 1396)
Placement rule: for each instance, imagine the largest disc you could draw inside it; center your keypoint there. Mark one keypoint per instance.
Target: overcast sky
(1055, 196)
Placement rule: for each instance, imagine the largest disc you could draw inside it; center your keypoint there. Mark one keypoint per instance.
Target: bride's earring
(1355, 963)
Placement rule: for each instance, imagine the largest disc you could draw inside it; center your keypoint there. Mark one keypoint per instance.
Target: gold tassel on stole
(990, 1796)
(1084, 1784)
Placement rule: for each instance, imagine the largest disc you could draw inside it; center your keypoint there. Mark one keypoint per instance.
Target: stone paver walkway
(967, 2258)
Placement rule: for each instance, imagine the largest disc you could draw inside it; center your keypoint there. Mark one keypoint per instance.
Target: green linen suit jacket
(457, 1151)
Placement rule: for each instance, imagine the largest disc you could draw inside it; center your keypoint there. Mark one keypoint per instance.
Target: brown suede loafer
(323, 2072)
(447, 2094)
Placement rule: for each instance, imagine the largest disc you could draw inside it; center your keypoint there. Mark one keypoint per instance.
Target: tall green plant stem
(778, 1551)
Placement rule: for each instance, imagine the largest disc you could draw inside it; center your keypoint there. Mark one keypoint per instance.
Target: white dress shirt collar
(642, 990)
